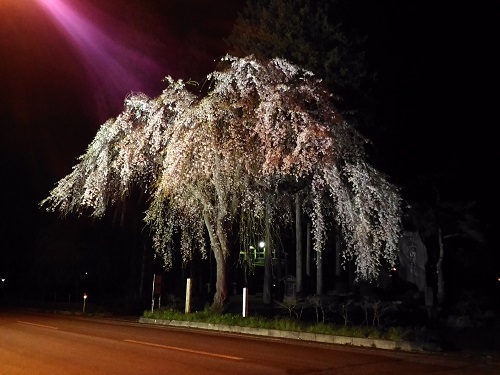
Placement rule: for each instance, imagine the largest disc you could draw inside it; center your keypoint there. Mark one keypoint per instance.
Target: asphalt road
(33, 343)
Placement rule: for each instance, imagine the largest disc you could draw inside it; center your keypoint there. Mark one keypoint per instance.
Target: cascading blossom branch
(264, 130)
(298, 134)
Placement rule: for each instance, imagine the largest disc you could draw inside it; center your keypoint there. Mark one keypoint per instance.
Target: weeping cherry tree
(210, 164)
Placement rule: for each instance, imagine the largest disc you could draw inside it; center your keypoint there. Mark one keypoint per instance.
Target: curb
(302, 336)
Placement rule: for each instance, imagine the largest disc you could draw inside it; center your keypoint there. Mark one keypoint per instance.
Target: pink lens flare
(112, 54)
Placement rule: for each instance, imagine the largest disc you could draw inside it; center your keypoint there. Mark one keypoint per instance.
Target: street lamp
(84, 299)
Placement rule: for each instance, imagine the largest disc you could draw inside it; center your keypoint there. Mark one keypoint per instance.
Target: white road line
(185, 350)
(37, 325)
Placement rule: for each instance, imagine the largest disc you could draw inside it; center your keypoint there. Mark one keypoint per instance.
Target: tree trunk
(143, 270)
(298, 244)
(338, 253)
(338, 258)
(266, 292)
(220, 296)
(351, 270)
(279, 261)
(439, 270)
(308, 256)
(319, 274)
(219, 245)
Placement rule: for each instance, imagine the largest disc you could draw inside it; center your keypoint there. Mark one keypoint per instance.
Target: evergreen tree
(310, 34)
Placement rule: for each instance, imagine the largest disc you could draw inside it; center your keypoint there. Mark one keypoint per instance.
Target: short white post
(188, 296)
(84, 299)
(245, 302)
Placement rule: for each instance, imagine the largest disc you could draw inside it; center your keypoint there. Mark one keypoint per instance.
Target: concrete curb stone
(303, 336)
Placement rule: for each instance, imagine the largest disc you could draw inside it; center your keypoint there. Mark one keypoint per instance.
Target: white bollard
(188, 296)
(245, 302)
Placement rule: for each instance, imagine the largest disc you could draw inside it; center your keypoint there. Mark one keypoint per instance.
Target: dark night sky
(60, 81)
(430, 57)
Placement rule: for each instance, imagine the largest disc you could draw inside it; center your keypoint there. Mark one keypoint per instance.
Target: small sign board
(157, 285)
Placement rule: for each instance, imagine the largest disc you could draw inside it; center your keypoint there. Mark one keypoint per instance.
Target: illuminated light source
(262, 244)
(84, 300)
(113, 62)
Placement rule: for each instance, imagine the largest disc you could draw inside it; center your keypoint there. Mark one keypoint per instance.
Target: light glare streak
(115, 65)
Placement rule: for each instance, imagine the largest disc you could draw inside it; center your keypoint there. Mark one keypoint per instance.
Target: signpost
(157, 281)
